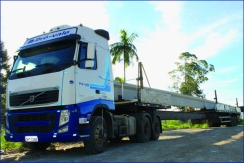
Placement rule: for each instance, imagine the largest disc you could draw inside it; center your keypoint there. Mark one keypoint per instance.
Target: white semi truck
(61, 89)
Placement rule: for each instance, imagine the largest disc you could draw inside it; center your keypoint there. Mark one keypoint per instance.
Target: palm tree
(124, 49)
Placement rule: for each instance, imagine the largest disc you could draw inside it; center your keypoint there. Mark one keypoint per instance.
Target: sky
(212, 30)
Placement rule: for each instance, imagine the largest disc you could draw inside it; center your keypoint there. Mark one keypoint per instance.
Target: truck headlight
(6, 118)
(64, 117)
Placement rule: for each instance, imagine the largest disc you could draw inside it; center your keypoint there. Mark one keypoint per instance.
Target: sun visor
(68, 37)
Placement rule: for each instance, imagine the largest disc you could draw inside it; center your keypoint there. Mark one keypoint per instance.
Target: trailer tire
(217, 124)
(236, 121)
(145, 134)
(133, 139)
(41, 146)
(210, 123)
(98, 136)
(156, 129)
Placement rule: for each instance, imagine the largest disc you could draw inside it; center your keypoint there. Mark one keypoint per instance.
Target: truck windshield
(44, 59)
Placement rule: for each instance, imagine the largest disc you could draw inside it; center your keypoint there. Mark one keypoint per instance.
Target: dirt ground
(220, 144)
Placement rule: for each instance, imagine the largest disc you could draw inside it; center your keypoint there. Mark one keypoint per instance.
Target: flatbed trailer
(141, 98)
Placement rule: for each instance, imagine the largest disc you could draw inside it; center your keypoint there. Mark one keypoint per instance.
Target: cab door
(86, 72)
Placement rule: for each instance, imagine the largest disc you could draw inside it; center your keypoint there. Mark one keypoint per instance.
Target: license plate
(31, 139)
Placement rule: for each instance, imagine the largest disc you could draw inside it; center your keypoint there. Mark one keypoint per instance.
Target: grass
(176, 124)
(8, 145)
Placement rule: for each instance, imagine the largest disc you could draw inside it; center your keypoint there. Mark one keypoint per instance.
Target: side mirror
(91, 51)
(15, 57)
(89, 64)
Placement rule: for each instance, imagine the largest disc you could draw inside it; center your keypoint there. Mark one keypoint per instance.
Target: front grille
(34, 98)
(29, 123)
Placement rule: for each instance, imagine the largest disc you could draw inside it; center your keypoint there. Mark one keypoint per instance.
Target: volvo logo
(32, 98)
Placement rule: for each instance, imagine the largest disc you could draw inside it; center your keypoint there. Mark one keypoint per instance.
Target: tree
(118, 79)
(5, 71)
(190, 74)
(124, 50)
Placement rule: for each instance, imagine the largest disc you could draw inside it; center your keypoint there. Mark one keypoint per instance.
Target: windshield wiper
(19, 69)
(44, 64)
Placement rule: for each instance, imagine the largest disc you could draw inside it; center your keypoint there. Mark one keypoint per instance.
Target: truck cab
(59, 80)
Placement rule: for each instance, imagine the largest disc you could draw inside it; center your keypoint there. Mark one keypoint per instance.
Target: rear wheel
(133, 139)
(216, 124)
(98, 136)
(38, 145)
(156, 129)
(144, 135)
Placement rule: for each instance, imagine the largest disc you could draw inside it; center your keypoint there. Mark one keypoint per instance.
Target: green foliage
(190, 74)
(118, 79)
(5, 71)
(8, 145)
(124, 50)
(176, 124)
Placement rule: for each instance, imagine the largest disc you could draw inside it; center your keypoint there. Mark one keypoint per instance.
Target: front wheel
(98, 136)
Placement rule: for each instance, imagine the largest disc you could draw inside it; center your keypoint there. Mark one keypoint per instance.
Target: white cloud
(170, 13)
(214, 42)
(24, 19)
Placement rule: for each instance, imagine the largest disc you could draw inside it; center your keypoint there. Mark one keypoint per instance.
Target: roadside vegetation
(176, 124)
(8, 145)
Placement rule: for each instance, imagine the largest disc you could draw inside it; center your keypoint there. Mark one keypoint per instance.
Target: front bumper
(44, 126)
(64, 137)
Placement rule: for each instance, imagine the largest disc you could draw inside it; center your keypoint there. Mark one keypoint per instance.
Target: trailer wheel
(230, 124)
(217, 124)
(210, 123)
(155, 130)
(98, 136)
(133, 139)
(236, 121)
(38, 145)
(144, 135)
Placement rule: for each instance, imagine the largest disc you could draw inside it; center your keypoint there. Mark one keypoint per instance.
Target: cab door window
(83, 57)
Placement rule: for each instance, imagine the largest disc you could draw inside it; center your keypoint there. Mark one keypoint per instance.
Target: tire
(230, 124)
(145, 134)
(117, 139)
(216, 124)
(41, 146)
(210, 123)
(133, 139)
(156, 129)
(236, 121)
(98, 136)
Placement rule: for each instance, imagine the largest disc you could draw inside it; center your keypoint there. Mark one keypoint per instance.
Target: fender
(104, 111)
